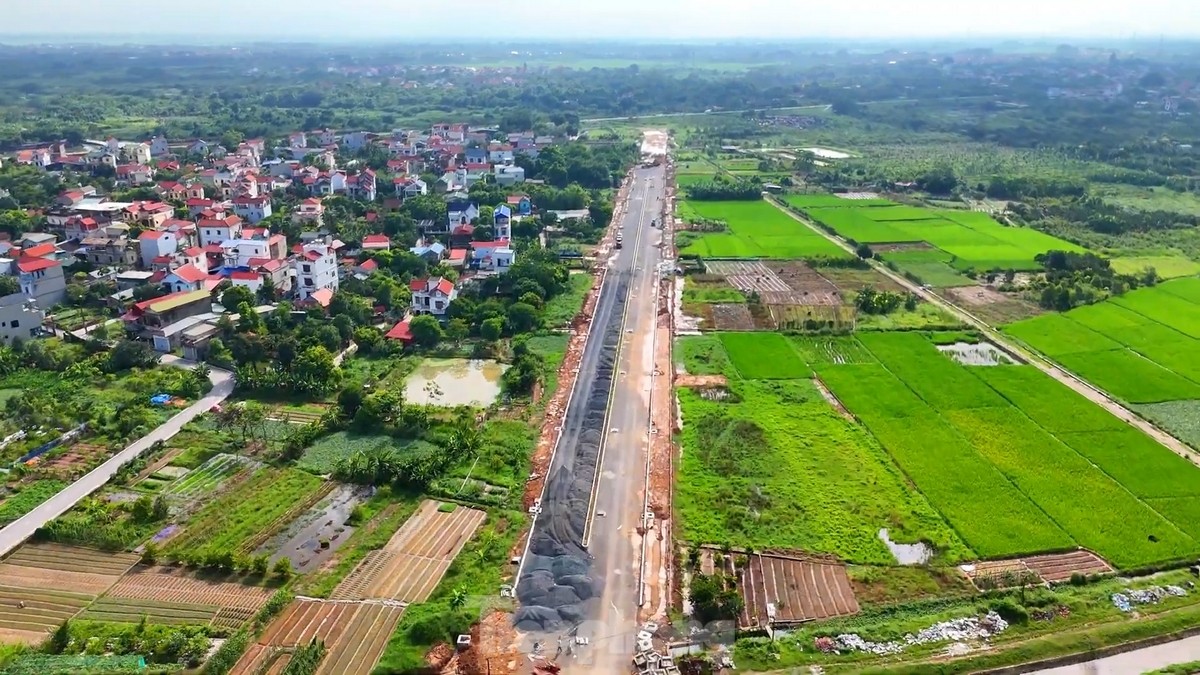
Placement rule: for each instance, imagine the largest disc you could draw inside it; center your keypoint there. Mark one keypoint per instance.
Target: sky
(505, 20)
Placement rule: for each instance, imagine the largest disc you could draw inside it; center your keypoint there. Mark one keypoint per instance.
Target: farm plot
(756, 229)
(1059, 567)
(928, 266)
(415, 559)
(73, 460)
(802, 287)
(775, 466)
(243, 518)
(207, 478)
(764, 356)
(801, 590)
(67, 568)
(355, 635)
(1130, 497)
(822, 350)
(972, 240)
(118, 610)
(28, 614)
(175, 592)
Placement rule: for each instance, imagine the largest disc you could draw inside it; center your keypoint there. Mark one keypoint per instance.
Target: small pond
(907, 554)
(453, 382)
(979, 354)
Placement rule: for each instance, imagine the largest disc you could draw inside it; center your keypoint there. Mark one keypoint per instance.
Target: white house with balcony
(315, 268)
(432, 295)
(253, 209)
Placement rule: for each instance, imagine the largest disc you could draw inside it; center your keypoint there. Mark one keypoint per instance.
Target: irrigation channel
(558, 585)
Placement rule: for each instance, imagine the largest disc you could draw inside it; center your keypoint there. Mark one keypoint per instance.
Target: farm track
(1043, 364)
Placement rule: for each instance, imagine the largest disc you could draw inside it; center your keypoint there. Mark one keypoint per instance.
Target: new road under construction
(580, 576)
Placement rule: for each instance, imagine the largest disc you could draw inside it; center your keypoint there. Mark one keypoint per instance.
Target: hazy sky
(496, 20)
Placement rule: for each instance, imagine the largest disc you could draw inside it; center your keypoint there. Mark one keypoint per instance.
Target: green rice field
(756, 229)
(1141, 347)
(764, 356)
(970, 239)
(1012, 460)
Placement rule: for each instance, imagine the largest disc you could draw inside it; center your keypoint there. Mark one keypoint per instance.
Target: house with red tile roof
(186, 278)
(376, 242)
(432, 295)
(400, 332)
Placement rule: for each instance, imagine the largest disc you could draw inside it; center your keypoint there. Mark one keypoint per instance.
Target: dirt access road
(1092, 393)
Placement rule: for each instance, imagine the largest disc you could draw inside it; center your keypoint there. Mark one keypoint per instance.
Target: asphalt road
(22, 528)
(614, 541)
(1137, 661)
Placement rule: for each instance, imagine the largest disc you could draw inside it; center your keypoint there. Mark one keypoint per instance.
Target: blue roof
(503, 211)
(435, 247)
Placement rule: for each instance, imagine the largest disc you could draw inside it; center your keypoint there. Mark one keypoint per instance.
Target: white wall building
(155, 243)
(315, 268)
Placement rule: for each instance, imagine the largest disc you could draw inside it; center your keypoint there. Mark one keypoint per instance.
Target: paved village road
(21, 529)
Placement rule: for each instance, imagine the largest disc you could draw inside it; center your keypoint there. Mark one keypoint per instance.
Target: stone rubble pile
(1146, 596)
(957, 630)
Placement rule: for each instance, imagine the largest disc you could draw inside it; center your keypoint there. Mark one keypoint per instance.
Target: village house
(20, 318)
(132, 175)
(432, 254)
(253, 209)
(461, 213)
(262, 246)
(521, 204)
(502, 222)
(432, 295)
(492, 256)
(315, 268)
(42, 280)
(408, 187)
(149, 214)
(159, 147)
(509, 175)
(376, 242)
(186, 278)
(357, 140)
(309, 211)
(108, 246)
(155, 243)
(155, 318)
(216, 231)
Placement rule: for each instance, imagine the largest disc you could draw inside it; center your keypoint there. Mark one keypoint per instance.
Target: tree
(314, 371)
(491, 329)
(266, 292)
(458, 598)
(218, 354)
(457, 330)
(426, 330)
(521, 318)
(10, 285)
(863, 251)
(282, 568)
(249, 320)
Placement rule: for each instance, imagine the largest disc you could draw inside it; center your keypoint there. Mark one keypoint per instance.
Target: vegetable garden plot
(1090, 506)
(354, 634)
(133, 611)
(1181, 419)
(782, 469)
(1130, 376)
(207, 478)
(764, 356)
(935, 377)
(43, 609)
(171, 585)
(1056, 335)
(238, 519)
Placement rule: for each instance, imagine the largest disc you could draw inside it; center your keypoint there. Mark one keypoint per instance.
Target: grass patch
(764, 356)
(563, 307)
(1167, 266)
(889, 585)
(776, 466)
(703, 355)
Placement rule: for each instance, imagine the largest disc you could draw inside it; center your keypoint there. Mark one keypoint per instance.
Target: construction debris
(650, 662)
(1146, 596)
(956, 630)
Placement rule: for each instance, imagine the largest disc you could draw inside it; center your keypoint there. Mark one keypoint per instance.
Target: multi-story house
(502, 222)
(42, 280)
(492, 256)
(432, 295)
(216, 231)
(460, 213)
(509, 175)
(109, 246)
(408, 187)
(155, 243)
(361, 185)
(20, 318)
(239, 252)
(253, 209)
(315, 268)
